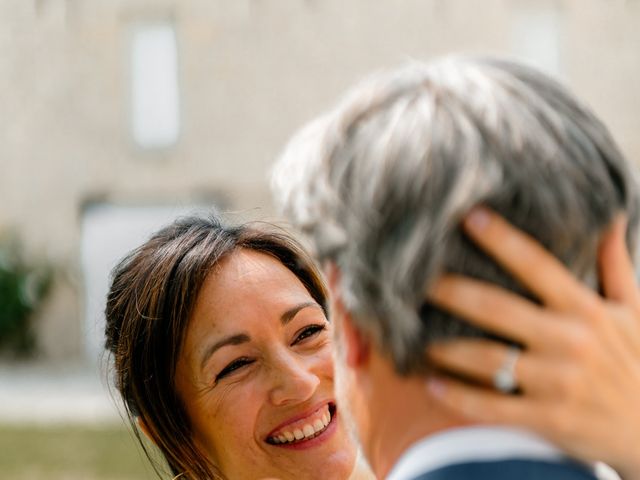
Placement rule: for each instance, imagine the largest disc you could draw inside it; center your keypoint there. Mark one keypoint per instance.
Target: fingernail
(477, 219)
(436, 387)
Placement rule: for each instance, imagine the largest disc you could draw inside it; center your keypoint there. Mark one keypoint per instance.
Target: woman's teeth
(307, 431)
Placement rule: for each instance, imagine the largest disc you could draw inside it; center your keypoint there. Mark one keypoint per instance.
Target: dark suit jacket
(511, 470)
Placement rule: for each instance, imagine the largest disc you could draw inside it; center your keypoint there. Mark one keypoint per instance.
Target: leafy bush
(22, 289)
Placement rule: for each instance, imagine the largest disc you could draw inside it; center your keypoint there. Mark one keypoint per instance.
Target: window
(155, 102)
(535, 37)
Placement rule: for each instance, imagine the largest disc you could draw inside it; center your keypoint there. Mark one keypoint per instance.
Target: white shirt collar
(461, 445)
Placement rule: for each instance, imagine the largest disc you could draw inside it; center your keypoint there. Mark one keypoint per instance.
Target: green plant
(23, 286)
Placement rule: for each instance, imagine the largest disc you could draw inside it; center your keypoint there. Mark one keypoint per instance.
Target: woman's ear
(144, 428)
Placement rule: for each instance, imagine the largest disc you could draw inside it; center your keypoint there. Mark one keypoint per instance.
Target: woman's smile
(305, 431)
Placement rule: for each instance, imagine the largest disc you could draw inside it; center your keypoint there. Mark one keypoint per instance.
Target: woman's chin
(330, 454)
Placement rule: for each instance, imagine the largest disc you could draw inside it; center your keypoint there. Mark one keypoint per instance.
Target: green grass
(72, 453)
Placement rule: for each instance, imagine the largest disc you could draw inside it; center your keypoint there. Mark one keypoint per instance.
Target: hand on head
(579, 373)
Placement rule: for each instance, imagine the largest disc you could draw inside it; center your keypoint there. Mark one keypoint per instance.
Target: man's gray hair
(382, 183)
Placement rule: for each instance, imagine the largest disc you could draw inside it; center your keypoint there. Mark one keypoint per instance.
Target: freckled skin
(283, 371)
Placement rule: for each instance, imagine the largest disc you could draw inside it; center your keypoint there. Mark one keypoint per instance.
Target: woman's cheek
(234, 426)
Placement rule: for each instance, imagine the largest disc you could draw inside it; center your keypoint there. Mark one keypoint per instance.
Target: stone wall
(249, 73)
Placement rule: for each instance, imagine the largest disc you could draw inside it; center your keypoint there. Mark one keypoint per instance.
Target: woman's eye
(310, 331)
(232, 367)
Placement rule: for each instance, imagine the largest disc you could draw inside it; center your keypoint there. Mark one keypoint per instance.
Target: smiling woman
(255, 374)
(223, 354)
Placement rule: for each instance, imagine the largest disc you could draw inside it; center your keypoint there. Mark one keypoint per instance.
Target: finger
(480, 360)
(484, 406)
(494, 309)
(562, 426)
(622, 332)
(538, 270)
(617, 274)
(474, 359)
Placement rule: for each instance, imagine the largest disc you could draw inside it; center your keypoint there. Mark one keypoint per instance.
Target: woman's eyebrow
(236, 339)
(287, 316)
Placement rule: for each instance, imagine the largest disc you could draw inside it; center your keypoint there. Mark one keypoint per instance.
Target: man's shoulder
(521, 469)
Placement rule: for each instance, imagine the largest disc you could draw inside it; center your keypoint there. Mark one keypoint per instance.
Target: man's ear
(355, 344)
(332, 272)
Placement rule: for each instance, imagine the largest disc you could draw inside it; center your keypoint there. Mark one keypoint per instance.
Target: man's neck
(403, 413)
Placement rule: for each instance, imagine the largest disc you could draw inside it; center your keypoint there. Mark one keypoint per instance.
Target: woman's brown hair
(152, 294)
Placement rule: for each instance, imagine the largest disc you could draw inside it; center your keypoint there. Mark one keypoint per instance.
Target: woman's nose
(294, 381)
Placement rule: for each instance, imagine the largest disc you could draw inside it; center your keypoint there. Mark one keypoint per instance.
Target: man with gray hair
(381, 185)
